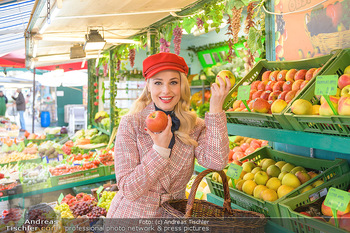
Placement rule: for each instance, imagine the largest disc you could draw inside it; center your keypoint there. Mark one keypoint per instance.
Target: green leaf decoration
(254, 40)
(188, 24)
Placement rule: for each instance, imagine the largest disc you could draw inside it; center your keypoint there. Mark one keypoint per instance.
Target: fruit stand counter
(59, 187)
(270, 227)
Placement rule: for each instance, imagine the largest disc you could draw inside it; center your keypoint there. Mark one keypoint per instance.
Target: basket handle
(191, 197)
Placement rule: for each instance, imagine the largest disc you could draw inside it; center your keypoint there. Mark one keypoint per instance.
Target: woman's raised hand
(163, 138)
(218, 94)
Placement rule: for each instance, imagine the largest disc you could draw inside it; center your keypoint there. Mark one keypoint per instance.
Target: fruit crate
(334, 125)
(38, 186)
(297, 222)
(330, 169)
(9, 192)
(77, 176)
(109, 170)
(56, 137)
(35, 141)
(275, 120)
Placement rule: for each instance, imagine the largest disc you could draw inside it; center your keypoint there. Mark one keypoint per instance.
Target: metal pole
(33, 101)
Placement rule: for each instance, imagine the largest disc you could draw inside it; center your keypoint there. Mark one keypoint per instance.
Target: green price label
(199, 195)
(60, 198)
(337, 199)
(234, 171)
(326, 85)
(243, 92)
(99, 190)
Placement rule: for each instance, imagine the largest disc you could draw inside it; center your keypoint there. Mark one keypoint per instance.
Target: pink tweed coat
(145, 179)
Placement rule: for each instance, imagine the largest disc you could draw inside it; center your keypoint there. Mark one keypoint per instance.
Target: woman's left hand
(218, 94)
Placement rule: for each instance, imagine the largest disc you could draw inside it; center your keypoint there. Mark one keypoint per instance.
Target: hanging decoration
(164, 45)
(105, 69)
(249, 22)
(236, 23)
(177, 39)
(231, 51)
(132, 53)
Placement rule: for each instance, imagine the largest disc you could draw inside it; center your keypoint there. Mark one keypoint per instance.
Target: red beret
(163, 61)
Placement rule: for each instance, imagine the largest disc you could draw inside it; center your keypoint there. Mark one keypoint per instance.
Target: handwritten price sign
(326, 85)
(243, 92)
(234, 171)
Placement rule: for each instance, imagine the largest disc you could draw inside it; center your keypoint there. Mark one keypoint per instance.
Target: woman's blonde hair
(187, 118)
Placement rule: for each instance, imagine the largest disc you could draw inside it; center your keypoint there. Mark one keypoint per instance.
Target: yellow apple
(223, 74)
(278, 106)
(302, 107)
(346, 91)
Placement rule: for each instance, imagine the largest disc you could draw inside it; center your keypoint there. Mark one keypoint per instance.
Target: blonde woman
(152, 168)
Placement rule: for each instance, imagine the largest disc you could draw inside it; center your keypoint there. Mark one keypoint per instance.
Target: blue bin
(45, 119)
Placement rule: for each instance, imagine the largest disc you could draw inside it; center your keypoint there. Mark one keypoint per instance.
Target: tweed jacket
(145, 179)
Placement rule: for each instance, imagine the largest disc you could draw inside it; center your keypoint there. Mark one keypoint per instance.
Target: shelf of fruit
(34, 176)
(8, 129)
(15, 156)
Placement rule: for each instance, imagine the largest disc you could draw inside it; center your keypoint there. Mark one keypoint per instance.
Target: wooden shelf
(312, 140)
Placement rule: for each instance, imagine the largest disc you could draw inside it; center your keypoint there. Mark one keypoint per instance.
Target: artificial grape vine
(231, 52)
(164, 45)
(177, 39)
(236, 22)
(132, 53)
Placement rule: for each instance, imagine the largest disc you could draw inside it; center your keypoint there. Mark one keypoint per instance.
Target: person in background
(3, 102)
(21, 107)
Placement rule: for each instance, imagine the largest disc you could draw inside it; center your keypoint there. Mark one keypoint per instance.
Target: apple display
(261, 105)
(287, 86)
(269, 85)
(300, 75)
(265, 76)
(274, 95)
(223, 74)
(344, 106)
(290, 96)
(278, 106)
(257, 94)
(157, 121)
(283, 94)
(343, 81)
(265, 95)
(309, 74)
(345, 91)
(282, 75)
(290, 74)
(255, 85)
(273, 75)
(296, 85)
(301, 107)
(261, 86)
(278, 86)
(303, 84)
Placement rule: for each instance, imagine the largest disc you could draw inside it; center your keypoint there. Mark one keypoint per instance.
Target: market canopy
(52, 35)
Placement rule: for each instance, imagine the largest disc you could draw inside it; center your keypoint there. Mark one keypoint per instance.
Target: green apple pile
(106, 199)
(270, 180)
(340, 101)
(275, 89)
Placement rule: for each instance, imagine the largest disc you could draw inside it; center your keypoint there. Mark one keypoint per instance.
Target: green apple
(223, 74)
(261, 177)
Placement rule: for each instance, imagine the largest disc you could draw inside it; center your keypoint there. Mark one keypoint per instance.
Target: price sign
(99, 190)
(60, 198)
(243, 92)
(338, 200)
(234, 171)
(45, 159)
(199, 195)
(60, 157)
(326, 85)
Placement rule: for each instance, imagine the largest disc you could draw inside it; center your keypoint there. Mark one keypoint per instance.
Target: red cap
(163, 61)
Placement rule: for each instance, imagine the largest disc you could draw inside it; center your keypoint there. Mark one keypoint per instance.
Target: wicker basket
(326, 42)
(219, 219)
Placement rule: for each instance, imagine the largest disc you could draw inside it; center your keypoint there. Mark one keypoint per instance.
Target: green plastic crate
(334, 125)
(109, 170)
(77, 176)
(275, 120)
(297, 222)
(43, 185)
(330, 169)
(35, 141)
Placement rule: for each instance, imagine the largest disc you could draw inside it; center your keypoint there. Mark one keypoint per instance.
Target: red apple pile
(282, 85)
(248, 146)
(340, 101)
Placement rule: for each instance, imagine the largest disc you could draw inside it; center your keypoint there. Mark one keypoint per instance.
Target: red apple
(305, 213)
(245, 146)
(309, 74)
(290, 75)
(282, 75)
(287, 86)
(261, 105)
(250, 104)
(261, 86)
(344, 221)
(239, 155)
(254, 85)
(249, 150)
(344, 106)
(265, 76)
(265, 95)
(230, 156)
(237, 149)
(269, 85)
(343, 81)
(236, 104)
(300, 75)
(326, 210)
(296, 85)
(242, 104)
(290, 96)
(274, 95)
(316, 72)
(282, 96)
(303, 84)
(257, 94)
(252, 91)
(273, 75)
(157, 121)
(278, 86)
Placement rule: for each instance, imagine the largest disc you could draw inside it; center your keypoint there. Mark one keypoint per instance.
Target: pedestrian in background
(3, 102)
(21, 107)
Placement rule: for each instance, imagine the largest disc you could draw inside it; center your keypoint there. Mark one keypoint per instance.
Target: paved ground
(28, 121)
